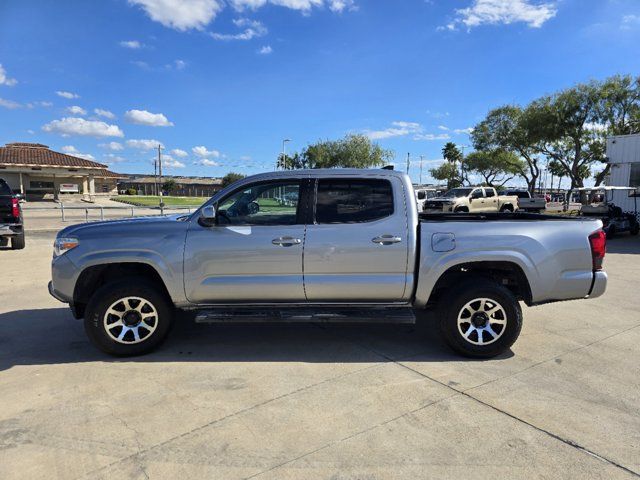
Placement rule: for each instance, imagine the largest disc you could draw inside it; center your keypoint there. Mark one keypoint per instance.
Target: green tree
(496, 166)
(292, 162)
(505, 128)
(170, 186)
(565, 128)
(447, 172)
(231, 177)
(557, 170)
(352, 151)
(451, 153)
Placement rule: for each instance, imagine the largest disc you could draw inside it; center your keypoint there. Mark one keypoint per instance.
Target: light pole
(284, 152)
(421, 157)
(160, 175)
(462, 162)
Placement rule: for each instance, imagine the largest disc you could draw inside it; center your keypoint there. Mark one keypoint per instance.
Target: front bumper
(56, 295)
(599, 284)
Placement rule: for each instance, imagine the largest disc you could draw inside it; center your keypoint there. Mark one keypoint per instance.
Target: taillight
(15, 208)
(598, 242)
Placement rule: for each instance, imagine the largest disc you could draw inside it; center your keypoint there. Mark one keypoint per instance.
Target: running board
(302, 315)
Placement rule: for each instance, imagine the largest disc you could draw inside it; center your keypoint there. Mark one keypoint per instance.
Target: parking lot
(314, 401)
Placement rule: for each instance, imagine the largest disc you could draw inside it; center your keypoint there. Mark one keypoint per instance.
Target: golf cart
(598, 202)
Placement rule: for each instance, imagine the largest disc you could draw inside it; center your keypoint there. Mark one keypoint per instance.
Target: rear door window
(353, 200)
(489, 192)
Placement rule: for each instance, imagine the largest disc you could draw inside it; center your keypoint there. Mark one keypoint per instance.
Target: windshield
(457, 192)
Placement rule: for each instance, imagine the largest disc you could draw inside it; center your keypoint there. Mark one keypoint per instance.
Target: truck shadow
(52, 336)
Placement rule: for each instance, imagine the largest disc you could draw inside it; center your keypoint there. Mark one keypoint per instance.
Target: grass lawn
(152, 201)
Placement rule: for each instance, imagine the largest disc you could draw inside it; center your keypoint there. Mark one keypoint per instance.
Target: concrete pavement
(331, 402)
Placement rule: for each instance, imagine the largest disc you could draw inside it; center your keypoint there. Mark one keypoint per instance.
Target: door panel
(253, 254)
(226, 264)
(361, 260)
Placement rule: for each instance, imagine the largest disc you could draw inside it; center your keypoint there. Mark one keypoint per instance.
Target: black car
(11, 226)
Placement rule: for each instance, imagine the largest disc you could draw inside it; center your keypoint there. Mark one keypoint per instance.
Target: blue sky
(221, 82)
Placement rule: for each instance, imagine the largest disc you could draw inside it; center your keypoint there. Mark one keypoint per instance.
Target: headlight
(64, 244)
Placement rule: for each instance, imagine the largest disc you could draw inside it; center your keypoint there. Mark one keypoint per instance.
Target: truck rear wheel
(128, 317)
(17, 242)
(480, 318)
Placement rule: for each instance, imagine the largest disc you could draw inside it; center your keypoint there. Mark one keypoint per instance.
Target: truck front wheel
(128, 317)
(480, 318)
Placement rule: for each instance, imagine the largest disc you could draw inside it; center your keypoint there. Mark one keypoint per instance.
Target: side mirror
(208, 216)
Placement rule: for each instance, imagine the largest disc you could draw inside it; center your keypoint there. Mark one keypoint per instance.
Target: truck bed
(490, 216)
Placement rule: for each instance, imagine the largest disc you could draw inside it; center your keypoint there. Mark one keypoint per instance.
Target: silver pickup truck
(323, 246)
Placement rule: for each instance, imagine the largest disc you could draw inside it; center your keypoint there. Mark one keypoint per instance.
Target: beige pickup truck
(472, 200)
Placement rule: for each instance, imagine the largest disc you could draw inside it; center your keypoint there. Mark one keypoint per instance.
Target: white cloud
(113, 146)
(179, 64)
(628, 23)
(113, 158)
(79, 126)
(104, 113)
(397, 129)
(10, 104)
(179, 153)
(181, 15)
(76, 110)
(144, 144)
(252, 29)
(143, 117)
(266, 50)
(169, 162)
(4, 78)
(69, 95)
(132, 44)
(496, 12)
(207, 163)
(443, 127)
(39, 104)
(341, 5)
(431, 136)
(301, 5)
(202, 152)
(71, 150)
(460, 131)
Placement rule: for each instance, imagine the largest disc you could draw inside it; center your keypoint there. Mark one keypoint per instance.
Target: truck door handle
(386, 239)
(286, 241)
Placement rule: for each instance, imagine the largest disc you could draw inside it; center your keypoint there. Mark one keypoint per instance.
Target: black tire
(506, 209)
(107, 296)
(611, 231)
(453, 304)
(17, 242)
(461, 210)
(635, 228)
(4, 241)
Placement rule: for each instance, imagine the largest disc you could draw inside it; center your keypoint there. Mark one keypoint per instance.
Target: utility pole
(408, 160)
(155, 177)
(421, 157)
(160, 175)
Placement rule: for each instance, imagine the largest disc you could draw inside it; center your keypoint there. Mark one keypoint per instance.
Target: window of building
(36, 184)
(352, 201)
